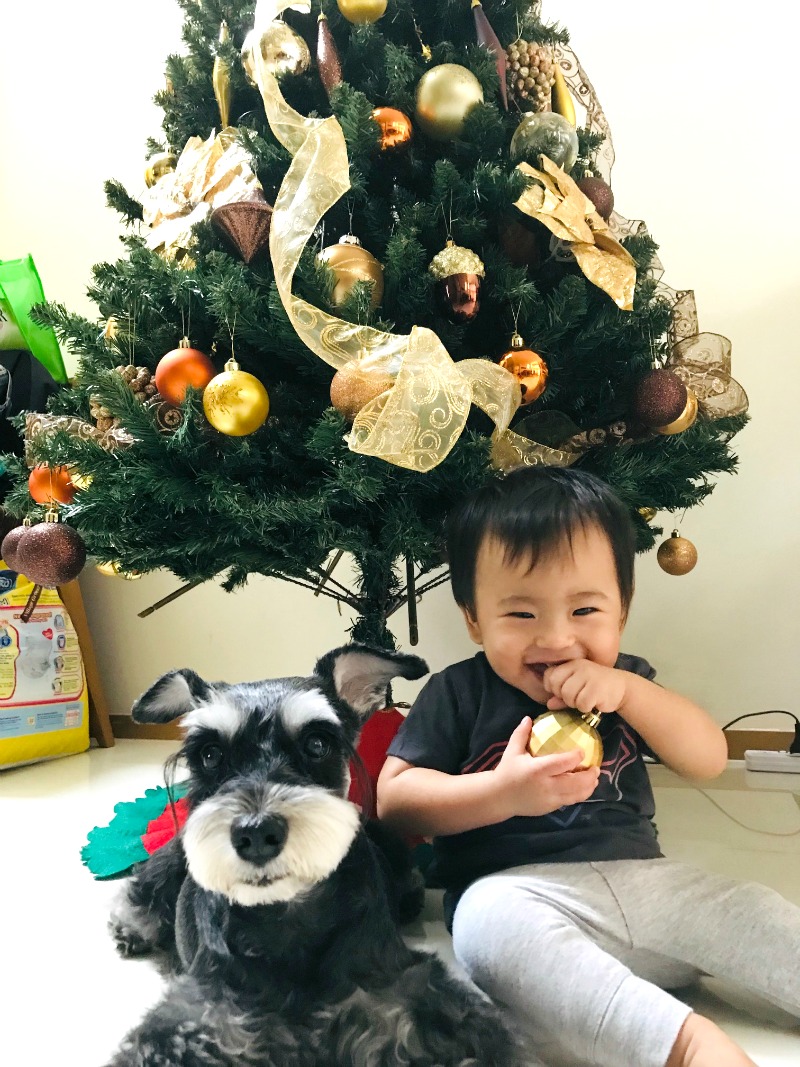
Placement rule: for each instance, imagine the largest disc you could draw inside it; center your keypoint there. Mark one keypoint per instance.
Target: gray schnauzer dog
(279, 904)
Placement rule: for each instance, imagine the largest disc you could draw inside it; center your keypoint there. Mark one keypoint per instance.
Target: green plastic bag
(20, 289)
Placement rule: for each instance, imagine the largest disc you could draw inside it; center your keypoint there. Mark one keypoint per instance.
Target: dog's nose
(258, 838)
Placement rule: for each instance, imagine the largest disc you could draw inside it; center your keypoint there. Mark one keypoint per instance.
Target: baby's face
(567, 607)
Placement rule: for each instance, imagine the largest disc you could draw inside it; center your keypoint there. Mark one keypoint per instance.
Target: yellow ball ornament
(362, 12)
(445, 96)
(235, 402)
(564, 731)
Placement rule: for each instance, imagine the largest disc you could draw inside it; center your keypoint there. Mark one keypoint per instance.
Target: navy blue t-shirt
(461, 722)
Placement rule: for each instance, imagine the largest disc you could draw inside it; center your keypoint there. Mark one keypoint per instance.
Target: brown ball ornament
(51, 554)
(352, 264)
(10, 546)
(658, 398)
(600, 194)
(687, 417)
(184, 366)
(396, 129)
(676, 555)
(355, 384)
(50, 485)
(528, 368)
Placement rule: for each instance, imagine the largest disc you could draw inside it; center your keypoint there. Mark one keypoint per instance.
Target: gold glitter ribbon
(556, 201)
(418, 421)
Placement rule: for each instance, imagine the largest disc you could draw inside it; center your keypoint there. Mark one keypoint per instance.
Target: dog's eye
(317, 747)
(211, 756)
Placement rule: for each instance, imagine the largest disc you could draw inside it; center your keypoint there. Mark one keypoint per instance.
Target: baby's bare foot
(701, 1043)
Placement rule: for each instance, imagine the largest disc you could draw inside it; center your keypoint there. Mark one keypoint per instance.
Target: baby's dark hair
(532, 511)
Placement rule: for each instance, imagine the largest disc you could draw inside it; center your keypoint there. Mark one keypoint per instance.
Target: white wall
(701, 114)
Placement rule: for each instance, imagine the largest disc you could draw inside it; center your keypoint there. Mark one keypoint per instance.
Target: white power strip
(776, 762)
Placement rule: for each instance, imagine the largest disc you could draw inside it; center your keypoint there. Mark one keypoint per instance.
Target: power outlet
(772, 762)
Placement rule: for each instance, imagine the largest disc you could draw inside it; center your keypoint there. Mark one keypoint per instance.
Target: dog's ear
(172, 695)
(360, 675)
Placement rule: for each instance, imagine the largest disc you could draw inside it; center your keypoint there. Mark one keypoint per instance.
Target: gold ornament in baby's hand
(564, 731)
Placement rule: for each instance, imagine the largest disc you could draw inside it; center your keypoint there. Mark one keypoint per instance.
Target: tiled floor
(66, 999)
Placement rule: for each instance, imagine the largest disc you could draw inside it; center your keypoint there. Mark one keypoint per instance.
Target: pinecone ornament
(531, 74)
(139, 380)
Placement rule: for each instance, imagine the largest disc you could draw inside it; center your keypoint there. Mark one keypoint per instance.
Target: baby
(561, 904)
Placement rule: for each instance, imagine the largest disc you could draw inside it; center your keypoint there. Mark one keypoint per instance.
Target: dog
(278, 903)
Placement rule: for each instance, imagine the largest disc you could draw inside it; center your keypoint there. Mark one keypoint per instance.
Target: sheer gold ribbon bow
(703, 362)
(556, 201)
(416, 423)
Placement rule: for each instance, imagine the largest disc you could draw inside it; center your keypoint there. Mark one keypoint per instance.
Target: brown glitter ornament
(355, 384)
(687, 417)
(600, 194)
(396, 129)
(564, 731)
(10, 546)
(352, 264)
(329, 63)
(245, 225)
(180, 368)
(658, 398)
(676, 555)
(51, 553)
(528, 368)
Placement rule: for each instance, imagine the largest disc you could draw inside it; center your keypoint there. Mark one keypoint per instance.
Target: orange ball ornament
(528, 368)
(51, 484)
(396, 129)
(184, 366)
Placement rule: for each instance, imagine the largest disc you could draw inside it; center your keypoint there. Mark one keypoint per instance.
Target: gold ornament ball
(445, 96)
(278, 48)
(355, 384)
(528, 368)
(677, 555)
(564, 731)
(396, 129)
(235, 402)
(362, 12)
(157, 166)
(648, 514)
(687, 418)
(352, 264)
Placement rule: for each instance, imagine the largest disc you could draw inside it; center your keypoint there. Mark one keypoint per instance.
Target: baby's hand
(584, 685)
(537, 785)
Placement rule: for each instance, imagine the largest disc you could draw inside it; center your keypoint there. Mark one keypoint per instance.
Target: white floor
(66, 999)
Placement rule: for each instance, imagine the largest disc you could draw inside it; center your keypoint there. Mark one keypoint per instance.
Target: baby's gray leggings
(581, 953)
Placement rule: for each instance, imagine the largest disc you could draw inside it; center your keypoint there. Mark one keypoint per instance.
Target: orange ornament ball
(51, 484)
(528, 368)
(396, 129)
(184, 366)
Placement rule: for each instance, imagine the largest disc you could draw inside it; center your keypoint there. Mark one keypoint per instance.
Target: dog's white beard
(321, 829)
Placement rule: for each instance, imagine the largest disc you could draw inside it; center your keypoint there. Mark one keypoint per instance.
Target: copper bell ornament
(458, 272)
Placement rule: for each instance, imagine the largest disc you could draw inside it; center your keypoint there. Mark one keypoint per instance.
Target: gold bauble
(351, 264)
(157, 166)
(396, 129)
(235, 402)
(564, 731)
(281, 50)
(445, 96)
(362, 11)
(528, 368)
(80, 481)
(648, 514)
(355, 384)
(676, 555)
(687, 417)
(114, 570)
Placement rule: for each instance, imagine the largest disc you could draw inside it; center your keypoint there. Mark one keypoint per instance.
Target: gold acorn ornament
(235, 402)
(528, 368)
(351, 263)
(677, 555)
(221, 80)
(158, 165)
(278, 48)
(362, 12)
(564, 731)
(458, 272)
(445, 96)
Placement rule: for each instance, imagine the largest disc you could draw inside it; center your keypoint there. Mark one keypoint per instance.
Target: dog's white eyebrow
(298, 709)
(224, 717)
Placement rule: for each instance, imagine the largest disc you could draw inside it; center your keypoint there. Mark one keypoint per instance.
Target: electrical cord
(794, 748)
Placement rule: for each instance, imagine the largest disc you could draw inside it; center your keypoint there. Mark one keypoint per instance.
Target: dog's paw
(129, 942)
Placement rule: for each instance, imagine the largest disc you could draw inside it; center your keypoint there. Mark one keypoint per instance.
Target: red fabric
(161, 830)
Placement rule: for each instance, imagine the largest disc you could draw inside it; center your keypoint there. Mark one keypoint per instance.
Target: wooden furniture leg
(99, 719)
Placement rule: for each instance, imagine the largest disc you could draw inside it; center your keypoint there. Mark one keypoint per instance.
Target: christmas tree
(383, 233)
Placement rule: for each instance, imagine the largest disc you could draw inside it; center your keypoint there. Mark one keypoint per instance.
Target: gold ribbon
(556, 201)
(703, 363)
(419, 420)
